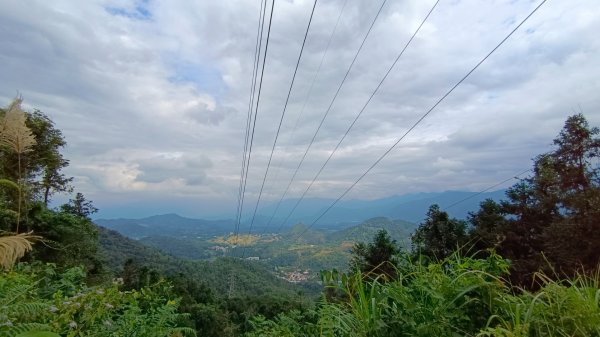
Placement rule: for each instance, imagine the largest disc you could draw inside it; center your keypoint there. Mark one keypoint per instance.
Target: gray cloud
(152, 95)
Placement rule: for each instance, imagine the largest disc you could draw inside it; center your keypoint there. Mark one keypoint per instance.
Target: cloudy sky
(152, 95)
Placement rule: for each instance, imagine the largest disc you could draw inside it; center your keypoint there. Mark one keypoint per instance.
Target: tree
(46, 161)
(572, 240)
(378, 258)
(43, 163)
(71, 240)
(550, 220)
(439, 236)
(17, 138)
(79, 207)
(487, 224)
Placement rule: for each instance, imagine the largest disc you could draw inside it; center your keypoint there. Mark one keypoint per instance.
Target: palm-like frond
(9, 184)
(13, 247)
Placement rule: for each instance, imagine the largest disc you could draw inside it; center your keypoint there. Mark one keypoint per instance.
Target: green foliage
(37, 334)
(290, 324)
(79, 207)
(203, 285)
(44, 162)
(439, 235)
(550, 220)
(377, 259)
(35, 298)
(457, 296)
(253, 279)
(398, 230)
(21, 309)
(568, 308)
(70, 240)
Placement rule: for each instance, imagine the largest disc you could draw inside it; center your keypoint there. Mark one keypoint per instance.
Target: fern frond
(182, 331)
(38, 333)
(29, 310)
(10, 292)
(13, 247)
(21, 328)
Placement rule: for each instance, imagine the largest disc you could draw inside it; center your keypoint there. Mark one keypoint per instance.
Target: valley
(295, 253)
(287, 255)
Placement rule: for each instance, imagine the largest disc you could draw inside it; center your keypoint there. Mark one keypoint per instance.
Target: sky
(152, 96)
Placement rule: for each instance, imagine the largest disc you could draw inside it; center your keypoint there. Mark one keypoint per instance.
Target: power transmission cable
(359, 113)
(487, 189)
(422, 118)
(329, 109)
(248, 122)
(282, 117)
(256, 112)
(308, 95)
(257, 50)
(516, 176)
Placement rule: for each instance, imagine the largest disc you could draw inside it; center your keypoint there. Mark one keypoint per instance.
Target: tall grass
(458, 296)
(559, 308)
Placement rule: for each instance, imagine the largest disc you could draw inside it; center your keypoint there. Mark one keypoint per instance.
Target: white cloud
(130, 82)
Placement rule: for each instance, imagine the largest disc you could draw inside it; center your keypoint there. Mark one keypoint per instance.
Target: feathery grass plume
(13, 247)
(13, 131)
(15, 135)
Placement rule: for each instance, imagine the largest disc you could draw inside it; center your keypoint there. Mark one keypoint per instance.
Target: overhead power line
(359, 113)
(327, 112)
(255, 115)
(422, 118)
(257, 51)
(308, 95)
(516, 176)
(282, 116)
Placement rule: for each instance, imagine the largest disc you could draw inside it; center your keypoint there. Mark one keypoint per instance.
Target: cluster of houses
(296, 276)
(218, 249)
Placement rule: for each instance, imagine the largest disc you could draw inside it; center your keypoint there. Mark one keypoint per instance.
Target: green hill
(250, 278)
(399, 230)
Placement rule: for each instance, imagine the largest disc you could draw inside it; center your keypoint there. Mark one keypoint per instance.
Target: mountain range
(410, 207)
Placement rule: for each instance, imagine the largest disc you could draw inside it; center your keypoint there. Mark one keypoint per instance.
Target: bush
(36, 298)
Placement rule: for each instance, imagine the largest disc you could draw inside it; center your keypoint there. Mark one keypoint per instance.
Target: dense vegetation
(526, 266)
(549, 222)
(454, 297)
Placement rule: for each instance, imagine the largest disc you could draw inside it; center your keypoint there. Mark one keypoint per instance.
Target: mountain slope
(250, 278)
(399, 230)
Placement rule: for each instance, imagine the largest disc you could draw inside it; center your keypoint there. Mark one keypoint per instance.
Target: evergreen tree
(552, 219)
(439, 235)
(378, 258)
(79, 206)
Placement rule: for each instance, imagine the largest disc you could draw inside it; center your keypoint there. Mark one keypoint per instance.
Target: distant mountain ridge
(170, 224)
(409, 208)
